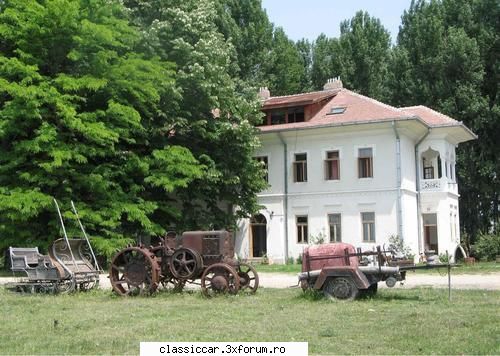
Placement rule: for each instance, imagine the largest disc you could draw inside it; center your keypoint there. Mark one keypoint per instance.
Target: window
(365, 163)
(295, 115)
(335, 227)
(337, 110)
(368, 221)
(332, 165)
(428, 172)
(263, 161)
(300, 167)
(301, 229)
(278, 117)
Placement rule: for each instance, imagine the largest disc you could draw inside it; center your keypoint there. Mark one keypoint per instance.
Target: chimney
(333, 84)
(264, 93)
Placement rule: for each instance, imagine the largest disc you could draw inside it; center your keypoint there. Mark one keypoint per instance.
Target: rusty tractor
(207, 256)
(343, 272)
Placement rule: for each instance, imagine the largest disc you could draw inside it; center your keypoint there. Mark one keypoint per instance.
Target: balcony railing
(438, 185)
(430, 184)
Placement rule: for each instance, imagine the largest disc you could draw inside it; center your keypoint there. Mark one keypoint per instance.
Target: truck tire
(342, 288)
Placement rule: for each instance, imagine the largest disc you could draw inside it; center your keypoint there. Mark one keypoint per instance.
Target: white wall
(350, 195)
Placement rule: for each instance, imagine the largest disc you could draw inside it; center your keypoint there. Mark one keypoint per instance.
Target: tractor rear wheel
(340, 288)
(133, 271)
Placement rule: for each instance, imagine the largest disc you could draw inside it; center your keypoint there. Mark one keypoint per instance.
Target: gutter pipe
(399, 202)
(285, 193)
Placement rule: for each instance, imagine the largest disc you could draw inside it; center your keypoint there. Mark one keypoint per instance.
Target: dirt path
(459, 281)
(489, 281)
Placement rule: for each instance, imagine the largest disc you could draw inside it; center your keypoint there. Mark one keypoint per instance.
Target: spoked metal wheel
(86, 286)
(65, 286)
(340, 288)
(185, 263)
(249, 279)
(220, 278)
(134, 270)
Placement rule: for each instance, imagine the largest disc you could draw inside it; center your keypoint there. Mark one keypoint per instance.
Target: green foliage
(318, 239)
(362, 62)
(84, 116)
(399, 247)
(188, 34)
(87, 322)
(447, 59)
(359, 56)
(487, 247)
(285, 72)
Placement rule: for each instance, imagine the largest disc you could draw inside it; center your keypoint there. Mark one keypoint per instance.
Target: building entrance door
(430, 232)
(258, 239)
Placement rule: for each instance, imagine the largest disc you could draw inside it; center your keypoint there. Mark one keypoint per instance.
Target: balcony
(438, 185)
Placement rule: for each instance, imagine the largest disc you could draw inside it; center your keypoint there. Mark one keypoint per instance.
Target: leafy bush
(318, 239)
(444, 258)
(290, 260)
(299, 259)
(487, 247)
(399, 247)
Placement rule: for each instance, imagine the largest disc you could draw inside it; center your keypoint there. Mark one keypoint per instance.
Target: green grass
(478, 268)
(417, 321)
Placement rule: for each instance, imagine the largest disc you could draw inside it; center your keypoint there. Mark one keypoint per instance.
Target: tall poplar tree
(447, 58)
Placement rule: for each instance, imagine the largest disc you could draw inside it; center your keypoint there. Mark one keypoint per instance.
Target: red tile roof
(430, 117)
(359, 108)
(298, 99)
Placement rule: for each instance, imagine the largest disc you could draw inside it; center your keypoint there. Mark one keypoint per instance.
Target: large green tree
(119, 119)
(81, 118)
(285, 70)
(323, 67)
(447, 58)
(359, 56)
(188, 34)
(247, 26)
(362, 63)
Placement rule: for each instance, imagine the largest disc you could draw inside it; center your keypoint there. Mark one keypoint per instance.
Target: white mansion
(348, 168)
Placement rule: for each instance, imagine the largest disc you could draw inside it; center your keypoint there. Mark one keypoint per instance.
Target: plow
(195, 257)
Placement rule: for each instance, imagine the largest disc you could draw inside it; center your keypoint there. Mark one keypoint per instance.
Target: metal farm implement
(207, 256)
(342, 272)
(69, 265)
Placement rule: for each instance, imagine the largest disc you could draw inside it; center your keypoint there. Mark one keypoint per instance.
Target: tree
(447, 59)
(246, 25)
(304, 47)
(82, 118)
(324, 52)
(359, 56)
(285, 70)
(187, 34)
(362, 63)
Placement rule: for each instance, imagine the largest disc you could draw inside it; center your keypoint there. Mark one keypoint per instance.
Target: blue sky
(308, 19)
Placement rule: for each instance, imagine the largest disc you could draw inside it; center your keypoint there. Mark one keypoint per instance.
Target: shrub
(487, 247)
(290, 260)
(299, 259)
(444, 258)
(318, 239)
(399, 247)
